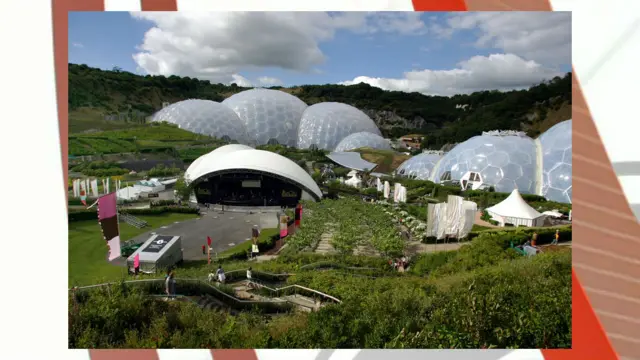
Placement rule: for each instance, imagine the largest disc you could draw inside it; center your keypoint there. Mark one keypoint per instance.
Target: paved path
(324, 246)
(481, 222)
(225, 229)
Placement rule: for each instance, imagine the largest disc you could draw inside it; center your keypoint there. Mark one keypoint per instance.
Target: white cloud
(240, 80)
(217, 45)
(77, 44)
(493, 72)
(541, 36)
(269, 81)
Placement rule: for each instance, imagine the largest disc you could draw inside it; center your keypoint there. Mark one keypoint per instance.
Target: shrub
(91, 214)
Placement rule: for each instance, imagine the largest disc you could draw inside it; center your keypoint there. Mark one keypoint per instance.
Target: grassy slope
(88, 250)
(387, 160)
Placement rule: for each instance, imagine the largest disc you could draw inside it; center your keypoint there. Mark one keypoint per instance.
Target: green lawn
(88, 250)
(265, 234)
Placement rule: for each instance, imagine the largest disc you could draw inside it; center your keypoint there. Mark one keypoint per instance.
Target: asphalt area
(225, 229)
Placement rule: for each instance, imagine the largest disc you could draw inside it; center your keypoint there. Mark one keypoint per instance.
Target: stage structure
(240, 175)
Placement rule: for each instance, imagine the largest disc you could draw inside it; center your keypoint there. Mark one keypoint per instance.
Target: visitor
(534, 239)
(204, 252)
(220, 274)
(249, 278)
(170, 284)
(556, 238)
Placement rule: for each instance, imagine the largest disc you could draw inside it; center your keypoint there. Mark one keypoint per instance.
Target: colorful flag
(283, 226)
(298, 215)
(208, 241)
(108, 219)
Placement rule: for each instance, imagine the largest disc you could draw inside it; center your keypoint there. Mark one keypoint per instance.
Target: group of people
(534, 239)
(399, 264)
(218, 275)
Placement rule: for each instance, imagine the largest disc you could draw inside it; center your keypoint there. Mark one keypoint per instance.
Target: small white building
(514, 210)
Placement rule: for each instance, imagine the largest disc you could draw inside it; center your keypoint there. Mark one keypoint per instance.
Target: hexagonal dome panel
(505, 162)
(363, 139)
(419, 167)
(326, 124)
(556, 162)
(270, 116)
(204, 117)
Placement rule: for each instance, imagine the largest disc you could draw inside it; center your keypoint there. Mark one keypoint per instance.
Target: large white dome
(505, 162)
(205, 117)
(361, 140)
(268, 115)
(556, 162)
(237, 157)
(326, 124)
(419, 167)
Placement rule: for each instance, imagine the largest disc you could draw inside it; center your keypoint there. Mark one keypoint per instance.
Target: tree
(183, 191)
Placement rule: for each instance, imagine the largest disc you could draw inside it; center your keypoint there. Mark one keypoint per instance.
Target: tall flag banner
(209, 249)
(86, 186)
(106, 188)
(298, 215)
(283, 226)
(108, 219)
(255, 234)
(136, 261)
(379, 185)
(396, 192)
(94, 188)
(76, 190)
(387, 189)
(83, 197)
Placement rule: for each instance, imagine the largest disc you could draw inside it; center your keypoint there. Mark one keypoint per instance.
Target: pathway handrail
(296, 286)
(202, 282)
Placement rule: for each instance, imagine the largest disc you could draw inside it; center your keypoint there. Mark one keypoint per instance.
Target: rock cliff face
(387, 120)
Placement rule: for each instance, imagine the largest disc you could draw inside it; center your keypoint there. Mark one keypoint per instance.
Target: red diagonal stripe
(150, 354)
(439, 5)
(243, 354)
(589, 339)
(159, 5)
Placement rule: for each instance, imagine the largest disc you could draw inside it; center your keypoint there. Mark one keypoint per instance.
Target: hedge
(520, 235)
(90, 214)
(266, 241)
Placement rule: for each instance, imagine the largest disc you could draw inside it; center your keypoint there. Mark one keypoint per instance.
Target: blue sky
(375, 48)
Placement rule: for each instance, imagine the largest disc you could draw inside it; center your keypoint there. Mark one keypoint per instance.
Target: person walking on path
(556, 238)
(220, 274)
(170, 284)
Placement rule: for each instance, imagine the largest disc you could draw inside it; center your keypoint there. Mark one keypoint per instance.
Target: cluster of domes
(506, 160)
(265, 116)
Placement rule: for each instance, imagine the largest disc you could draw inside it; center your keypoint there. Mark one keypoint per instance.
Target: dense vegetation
(94, 93)
(486, 296)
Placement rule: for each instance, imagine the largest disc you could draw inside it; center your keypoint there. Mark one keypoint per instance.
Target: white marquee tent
(514, 210)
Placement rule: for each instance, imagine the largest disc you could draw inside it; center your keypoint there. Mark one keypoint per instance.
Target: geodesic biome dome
(270, 116)
(204, 117)
(361, 140)
(504, 162)
(326, 124)
(419, 167)
(556, 162)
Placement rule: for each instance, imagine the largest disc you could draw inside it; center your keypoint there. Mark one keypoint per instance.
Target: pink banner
(114, 248)
(107, 206)
(136, 261)
(283, 226)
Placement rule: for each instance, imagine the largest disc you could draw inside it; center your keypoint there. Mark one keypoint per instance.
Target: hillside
(107, 100)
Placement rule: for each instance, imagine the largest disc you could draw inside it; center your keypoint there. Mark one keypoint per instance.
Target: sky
(431, 53)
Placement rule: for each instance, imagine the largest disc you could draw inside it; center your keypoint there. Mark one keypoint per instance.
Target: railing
(227, 299)
(132, 220)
